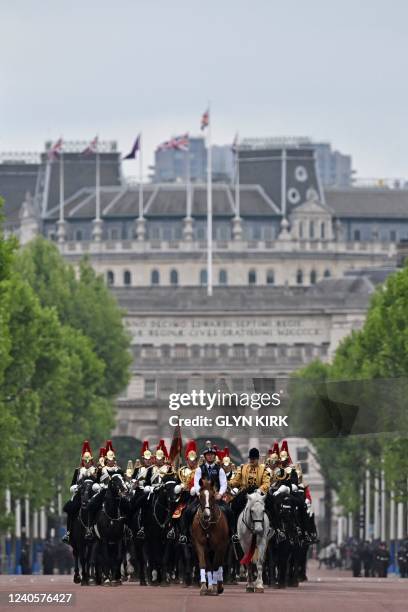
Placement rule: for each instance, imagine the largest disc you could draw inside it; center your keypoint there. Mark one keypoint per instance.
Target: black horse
(157, 519)
(136, 543)
(81, 536)
(109, 527)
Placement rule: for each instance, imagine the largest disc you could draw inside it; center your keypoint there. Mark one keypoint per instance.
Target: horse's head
(117, 485)
(86, 492)
(206, 498)
(256, 510)
(167, 489)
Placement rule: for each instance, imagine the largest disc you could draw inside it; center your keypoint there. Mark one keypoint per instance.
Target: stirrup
(171, 535)
(183, 539)
(235, 539)
(140, 534)
(65, 538)
(89, 534)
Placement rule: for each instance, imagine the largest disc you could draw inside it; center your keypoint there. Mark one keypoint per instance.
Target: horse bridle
(204, 522)
(246, 522)
(156, 502)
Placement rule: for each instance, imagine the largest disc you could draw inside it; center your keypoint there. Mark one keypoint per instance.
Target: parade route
(332, 591)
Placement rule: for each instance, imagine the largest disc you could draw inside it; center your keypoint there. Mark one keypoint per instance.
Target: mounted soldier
(250, 477)
(111, 467)
(214, 473)
(160, 468)
(188, 502)
(146, 459)
(87, 470)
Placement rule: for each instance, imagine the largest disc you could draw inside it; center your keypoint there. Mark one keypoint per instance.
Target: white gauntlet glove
(282, 489)
(193, 492)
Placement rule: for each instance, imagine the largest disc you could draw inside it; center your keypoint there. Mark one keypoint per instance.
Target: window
(252, 277)
(253, 350)
(270, 277)
(210, 351)
(303, 459)
(203, 277)
(127, 278)
(323, 230)
(313, 277)
(239, 351)
(110, 277)
(299, 277)
(155, 277)
(78, 234)
(114, 233)
(222, 277)
(173, 277)
(195, 351)
(311, 229)
(182, 385)
(150, 388)
(181, 351)
(357, 234)
(327, 273)
(393, 236)
(165, 351)
(223, 350)
(300, 229)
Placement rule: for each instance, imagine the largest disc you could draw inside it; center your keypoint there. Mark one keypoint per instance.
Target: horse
(136, 543)
(254, 534)
(209, 533)
(109, 528)
(157, 515)
(81, 536)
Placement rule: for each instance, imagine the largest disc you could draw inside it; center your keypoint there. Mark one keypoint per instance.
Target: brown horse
(210, 539)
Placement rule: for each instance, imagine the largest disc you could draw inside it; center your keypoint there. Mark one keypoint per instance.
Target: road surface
(326, 591)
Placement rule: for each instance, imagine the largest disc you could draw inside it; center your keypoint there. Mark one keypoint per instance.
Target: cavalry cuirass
(211, 473)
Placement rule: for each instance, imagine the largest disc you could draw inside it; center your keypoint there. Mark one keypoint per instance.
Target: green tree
(83, 302)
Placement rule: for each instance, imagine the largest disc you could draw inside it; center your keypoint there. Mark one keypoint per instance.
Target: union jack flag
(180, 143)
(205, 119)
(55, 149)
(92, 147)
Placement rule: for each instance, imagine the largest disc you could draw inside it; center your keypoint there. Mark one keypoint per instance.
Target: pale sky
(331, 70)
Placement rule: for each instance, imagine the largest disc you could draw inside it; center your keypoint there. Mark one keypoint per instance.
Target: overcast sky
(332, 70)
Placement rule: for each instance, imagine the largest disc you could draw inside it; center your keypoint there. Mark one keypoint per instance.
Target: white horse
(254, 534)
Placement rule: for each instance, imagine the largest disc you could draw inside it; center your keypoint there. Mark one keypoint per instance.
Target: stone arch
(126, 447)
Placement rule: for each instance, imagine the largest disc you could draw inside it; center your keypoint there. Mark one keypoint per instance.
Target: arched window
(110, 277)
(222, 277)
(173, 277)
(252, 277)
(270, 277)
(327, 273)
(203, 277)
(311, 229)
(299, 277)
(155, 277)
(313, 277)
(323, 230)
(127, 278)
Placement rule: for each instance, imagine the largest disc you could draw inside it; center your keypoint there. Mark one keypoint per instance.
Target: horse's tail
(246, 559)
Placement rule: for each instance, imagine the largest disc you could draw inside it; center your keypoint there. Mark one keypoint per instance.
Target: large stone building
(292, 273)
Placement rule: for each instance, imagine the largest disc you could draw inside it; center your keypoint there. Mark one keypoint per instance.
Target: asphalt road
(326, 591)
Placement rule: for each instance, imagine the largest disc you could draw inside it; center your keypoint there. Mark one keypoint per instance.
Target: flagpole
(237, 190)
(140, 177)
(98, 183)
(188, 182)
(61, 186)
(209, 207)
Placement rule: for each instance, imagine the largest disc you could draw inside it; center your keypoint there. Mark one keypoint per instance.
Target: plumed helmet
(161, 451)
(110, 451)
(274, 453)
(145, 452)
(86, 454)
(284, 452)
(129, 469)
(191, 450)
(226, 460)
